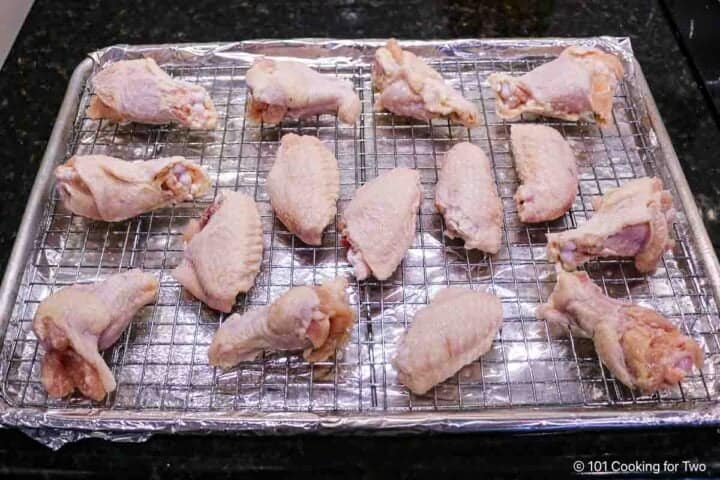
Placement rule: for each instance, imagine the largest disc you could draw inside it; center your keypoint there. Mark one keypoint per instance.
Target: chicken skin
(579, 84)
(409, 87)
(640, 347)
(280, 89)
(467, 197)
(112, 190)
(456, 328)
(379, 223)
(77, 322)
(546, 166)
(223, 251)
(634, 220)
(315, 319)
(140, 91)
(303, 185)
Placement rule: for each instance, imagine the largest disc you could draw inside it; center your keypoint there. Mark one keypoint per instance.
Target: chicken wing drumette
(640, 347)
(77, 322)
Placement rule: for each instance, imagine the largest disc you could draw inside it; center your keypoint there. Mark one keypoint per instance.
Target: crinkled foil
(528, 381)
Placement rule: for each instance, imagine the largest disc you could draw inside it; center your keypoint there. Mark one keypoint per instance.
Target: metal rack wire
(161, 361)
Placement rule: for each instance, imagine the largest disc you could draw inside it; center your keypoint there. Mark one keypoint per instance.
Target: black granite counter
(55, 38)
(696, 23)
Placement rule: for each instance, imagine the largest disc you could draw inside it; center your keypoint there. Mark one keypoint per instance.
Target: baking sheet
(528, 380)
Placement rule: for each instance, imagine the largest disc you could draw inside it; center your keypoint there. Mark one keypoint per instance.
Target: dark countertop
(477, 456)
(696, 25)
(55, 38)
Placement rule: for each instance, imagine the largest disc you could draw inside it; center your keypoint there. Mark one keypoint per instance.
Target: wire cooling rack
(160, 362)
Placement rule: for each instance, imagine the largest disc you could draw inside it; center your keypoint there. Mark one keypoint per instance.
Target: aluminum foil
(528, 381)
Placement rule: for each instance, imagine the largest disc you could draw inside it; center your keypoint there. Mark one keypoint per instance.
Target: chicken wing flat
(315, 319)
(640, 347)
(579, 84)
(223, 251)
(457, 327)
(379, 223)
(409, 87)
(280, 89)
(546, 166)
(77, 322)
(140, 91)
(631, 221)
(303, 186)
(110, 189)
(467, 197)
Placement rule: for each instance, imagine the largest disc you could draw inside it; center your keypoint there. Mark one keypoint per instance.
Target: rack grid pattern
(160, 362)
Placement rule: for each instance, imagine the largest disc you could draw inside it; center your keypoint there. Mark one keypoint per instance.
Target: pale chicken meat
(640, 347)
(140, 91)
(579, 84)
(409, 87)
(75, 323)
(303, 186)
(467, 197)
(379, 223)
(548, 174)
(279, 89)
(223, 252)
(634, 221)
(111, 189)
(314, 319)
(456, 328)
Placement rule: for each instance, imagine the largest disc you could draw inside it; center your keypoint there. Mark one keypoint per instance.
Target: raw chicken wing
(291, 89)
(315, 319)
(639, 346)
(223, 251)
(303, 185)
(456, 328)
(579, 84)
(110, 189)
(77, 322)
(631, 221)
(467, 197)
(409, 87)
(546, 166)
(379, 223)
(140, 91)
